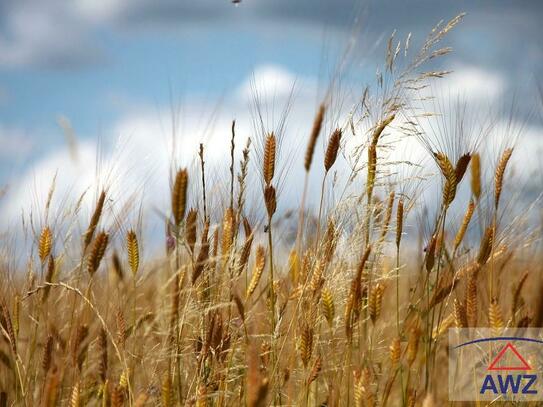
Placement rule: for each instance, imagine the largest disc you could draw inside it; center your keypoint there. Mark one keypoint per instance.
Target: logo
(509, 347)
(488, 367)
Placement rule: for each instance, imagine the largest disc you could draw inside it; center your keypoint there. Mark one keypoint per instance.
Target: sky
(121, 76)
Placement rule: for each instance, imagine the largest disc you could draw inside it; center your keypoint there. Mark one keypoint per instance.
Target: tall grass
(228, 316)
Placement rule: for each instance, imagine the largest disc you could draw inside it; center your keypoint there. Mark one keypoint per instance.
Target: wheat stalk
(485, 248)
(460, 315)
(476, 176)
(464, 225)
(179, 196)
(498, 176)
(132, 248)
(495, 317)
(95, 218)
(449, 173)
(315, 131)
(45, 244)
(306, 344)
(461, 167)
(191, 230)
(260, 263)
(328, 307)
(97, 251)
(471, 300)
(375, 301)
(330, 155)
(395, 351)
(269, 158)
(399, 222)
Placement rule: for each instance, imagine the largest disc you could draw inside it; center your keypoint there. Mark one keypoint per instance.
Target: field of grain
(353, 312)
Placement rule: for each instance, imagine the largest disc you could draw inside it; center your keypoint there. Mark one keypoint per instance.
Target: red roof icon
(509, 347)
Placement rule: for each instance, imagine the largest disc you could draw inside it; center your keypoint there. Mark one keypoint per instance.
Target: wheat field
(352, 311)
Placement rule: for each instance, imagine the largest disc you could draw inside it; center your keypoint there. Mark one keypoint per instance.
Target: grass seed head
(191, 229)
(179, 195)
(461, 167)
(132, 248)
(498, 176)
(485, 248)
(45, 244)
(258, 269)
(449, 174)
(331, 151)
(464, 225)
(269, 158)
(95, 218)
(476, 175)
(315, 131)
(97, 251)
(270, 200)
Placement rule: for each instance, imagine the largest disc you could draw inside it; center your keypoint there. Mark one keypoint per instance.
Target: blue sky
(114, 67)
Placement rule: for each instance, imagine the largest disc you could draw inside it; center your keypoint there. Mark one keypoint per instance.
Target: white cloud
(137, 148)
(99, 11)
(528, 148)
(45, 34)
(29, 191)
(472, 83)
(272, 81)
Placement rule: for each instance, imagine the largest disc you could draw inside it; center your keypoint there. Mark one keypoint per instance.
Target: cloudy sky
(116, 73)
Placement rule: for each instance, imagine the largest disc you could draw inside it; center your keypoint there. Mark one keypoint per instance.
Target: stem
(300, 233)
(398, 315)
(398, 289)
(272, 303)
(494, 227)
(431, 326)
(202, 167)
(320, 211)
(232, 147)
(272, 294)
(368, 221)
(178, 333)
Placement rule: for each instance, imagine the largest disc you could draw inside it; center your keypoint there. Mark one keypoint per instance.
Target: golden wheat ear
(330, 155)
(228, 232)
(375, 301)
(485, 248)
(102, 349)
(191, 230)
(328, 307)
(270, 200)
(306, 344)
(395, 351)
(132, 248)
(476, 176)
(179, 195)
(315, 131)
(315, 370)
(449, 173)
(471, 300)
(260, 263)
(7, 325)
(97, 251)
(462, 166)
(399, 222)
(269, 158)
(464, 226)
(45, 244)
(495, 317)
(498, 176)
(95, 218)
